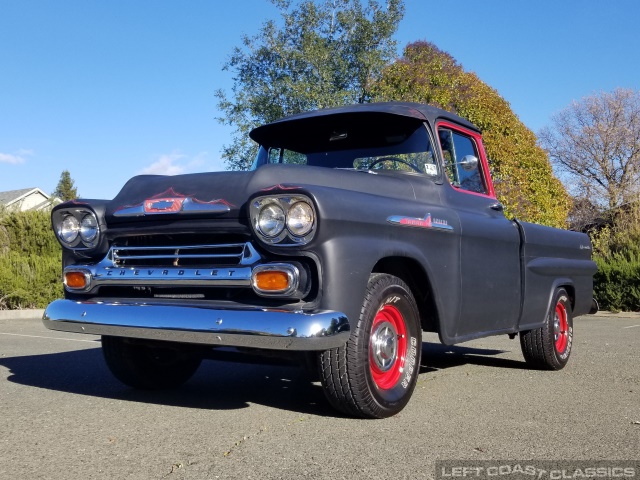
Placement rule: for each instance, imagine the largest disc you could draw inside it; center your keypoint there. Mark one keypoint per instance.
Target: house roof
(11, 196)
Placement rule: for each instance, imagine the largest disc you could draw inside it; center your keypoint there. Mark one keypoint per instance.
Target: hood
(225, 194)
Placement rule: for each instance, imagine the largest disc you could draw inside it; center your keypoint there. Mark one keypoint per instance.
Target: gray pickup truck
(357, 229)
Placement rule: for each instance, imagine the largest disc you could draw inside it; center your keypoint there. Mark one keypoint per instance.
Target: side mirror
(469, 162)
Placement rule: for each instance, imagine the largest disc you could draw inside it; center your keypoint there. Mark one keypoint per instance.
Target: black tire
(149, 365)
(375, 373)
(549, 347)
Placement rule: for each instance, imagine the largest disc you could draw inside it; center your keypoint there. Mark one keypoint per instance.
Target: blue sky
(111, 89)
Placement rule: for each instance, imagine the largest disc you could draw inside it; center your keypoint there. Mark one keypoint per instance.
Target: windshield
(405, 150)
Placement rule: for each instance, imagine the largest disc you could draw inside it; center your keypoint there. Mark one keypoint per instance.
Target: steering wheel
(395, 159)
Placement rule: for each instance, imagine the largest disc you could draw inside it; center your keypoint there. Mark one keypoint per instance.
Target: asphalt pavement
(63, 416)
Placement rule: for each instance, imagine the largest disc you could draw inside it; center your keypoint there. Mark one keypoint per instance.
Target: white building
(27, 199)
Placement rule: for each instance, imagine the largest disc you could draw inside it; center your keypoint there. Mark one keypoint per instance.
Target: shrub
(616, 249)
(617, 282)
(30, 232)
(30, 260)
(29, 281)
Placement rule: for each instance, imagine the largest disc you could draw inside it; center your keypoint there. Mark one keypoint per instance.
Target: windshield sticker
(426, 222)
(430, 169)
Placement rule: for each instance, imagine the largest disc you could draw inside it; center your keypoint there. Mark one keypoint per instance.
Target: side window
(461, 161)
(282, 155)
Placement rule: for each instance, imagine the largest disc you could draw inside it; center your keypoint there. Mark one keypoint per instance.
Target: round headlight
(300, 219)
(88, 229)
(68, 229)
(271, 220)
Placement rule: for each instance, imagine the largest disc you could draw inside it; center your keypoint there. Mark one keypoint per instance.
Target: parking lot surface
(63, 416)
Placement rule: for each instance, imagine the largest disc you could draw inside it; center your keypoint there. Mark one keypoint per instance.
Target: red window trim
(484, 163)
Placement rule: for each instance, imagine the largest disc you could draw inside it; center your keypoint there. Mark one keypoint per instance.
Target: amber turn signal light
(75, 280)
(271, 281)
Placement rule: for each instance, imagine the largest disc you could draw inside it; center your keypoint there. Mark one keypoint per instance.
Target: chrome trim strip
(249, 255)
(102, 274)
(427, 222)
(108, 272)
(174, 256)
(133, 211)
(246, 255)
(183, 247)
(168, 206)
(192, 205)
(120, 253)
(189, 323)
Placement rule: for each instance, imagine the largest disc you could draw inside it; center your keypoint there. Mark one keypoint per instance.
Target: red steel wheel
(561, 328)
(387, 347)
(374, 374)
(550, 346)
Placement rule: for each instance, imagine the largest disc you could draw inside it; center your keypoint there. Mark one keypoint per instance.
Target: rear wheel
(149, 365)
(375, 373)
(550, 346)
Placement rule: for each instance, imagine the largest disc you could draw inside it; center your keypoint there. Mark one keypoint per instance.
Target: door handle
(498, 207)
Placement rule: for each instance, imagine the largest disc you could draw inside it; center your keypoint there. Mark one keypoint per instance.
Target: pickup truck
(356, 229)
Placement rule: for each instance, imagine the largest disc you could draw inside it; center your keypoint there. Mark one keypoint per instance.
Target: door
(490, 283)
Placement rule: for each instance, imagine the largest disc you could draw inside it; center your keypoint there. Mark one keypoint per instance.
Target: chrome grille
(182, 256)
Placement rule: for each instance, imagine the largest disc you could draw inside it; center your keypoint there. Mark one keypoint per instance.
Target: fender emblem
(426, 222)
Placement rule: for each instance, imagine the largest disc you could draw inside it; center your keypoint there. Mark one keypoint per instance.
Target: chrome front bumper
(248, 327)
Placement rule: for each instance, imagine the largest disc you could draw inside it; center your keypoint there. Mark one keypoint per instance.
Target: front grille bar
(117, 258)
(118, 271)
(240, 254)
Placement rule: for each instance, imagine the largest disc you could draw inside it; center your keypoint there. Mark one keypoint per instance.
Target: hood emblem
(426, 222)
(164, 205)
(169, 202)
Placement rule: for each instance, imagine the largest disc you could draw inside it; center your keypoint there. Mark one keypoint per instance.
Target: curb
(33, 314)
(612, 315)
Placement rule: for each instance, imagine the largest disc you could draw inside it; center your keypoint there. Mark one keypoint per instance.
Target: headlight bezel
(288, 236)
(81, 240)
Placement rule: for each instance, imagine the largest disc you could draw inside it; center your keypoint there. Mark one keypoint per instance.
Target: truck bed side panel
(553, 258)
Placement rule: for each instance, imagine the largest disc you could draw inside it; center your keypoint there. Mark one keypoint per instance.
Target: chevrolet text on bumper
(357, 229)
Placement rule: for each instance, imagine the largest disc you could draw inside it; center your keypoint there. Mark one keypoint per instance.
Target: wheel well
(571, 291)
(413, 275)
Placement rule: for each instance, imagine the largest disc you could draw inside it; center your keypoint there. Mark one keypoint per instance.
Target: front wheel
(149, 365)
(549, 347)
(375, 373)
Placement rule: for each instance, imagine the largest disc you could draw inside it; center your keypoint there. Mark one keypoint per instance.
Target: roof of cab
(416, 111)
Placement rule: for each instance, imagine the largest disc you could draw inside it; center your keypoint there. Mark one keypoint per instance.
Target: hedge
(617, 282)
(30, 260)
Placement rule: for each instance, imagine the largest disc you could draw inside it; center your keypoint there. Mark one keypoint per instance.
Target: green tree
(65, 189)
(322, 54)
(522, 174)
